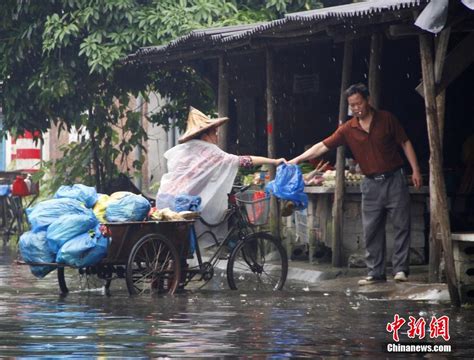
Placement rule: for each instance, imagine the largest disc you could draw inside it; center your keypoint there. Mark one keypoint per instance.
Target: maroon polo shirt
(376, 151)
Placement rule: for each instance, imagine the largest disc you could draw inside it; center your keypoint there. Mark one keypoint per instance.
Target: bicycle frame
(240, 225)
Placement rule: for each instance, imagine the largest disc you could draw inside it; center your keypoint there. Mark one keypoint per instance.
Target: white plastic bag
(199, 168)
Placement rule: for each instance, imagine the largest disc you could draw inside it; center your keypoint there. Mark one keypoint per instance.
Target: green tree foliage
(57, 64)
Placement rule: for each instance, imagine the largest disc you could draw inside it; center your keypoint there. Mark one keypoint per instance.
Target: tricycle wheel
(83, 279)
(153, 266)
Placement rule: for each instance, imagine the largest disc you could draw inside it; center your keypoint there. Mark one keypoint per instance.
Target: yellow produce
(100, 207)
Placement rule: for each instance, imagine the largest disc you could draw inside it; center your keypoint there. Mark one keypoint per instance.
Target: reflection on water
(35, 321)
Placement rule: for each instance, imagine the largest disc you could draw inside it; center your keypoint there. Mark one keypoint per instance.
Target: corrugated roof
(349, 10)
(355, 9)
(213, 37)
(196, 36)
(256, 30)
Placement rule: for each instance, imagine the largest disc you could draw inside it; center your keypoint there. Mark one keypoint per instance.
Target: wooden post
(442, 42)
(440, 213)
(270, 109)
(337, 225)
(458, 60)
(223, 100)
(311, 224)
(435, 245)
(375, 68)
(274, 210)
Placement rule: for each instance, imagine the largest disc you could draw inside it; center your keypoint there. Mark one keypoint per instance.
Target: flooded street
(210, 322)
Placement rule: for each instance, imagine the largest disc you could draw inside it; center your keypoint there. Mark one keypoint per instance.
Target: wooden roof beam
(456, 23)
(397, 31)
(287, 42)
(338, 34)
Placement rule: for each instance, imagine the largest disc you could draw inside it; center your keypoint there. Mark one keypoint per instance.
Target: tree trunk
(440, 213)
(435, 245)
(95, 157)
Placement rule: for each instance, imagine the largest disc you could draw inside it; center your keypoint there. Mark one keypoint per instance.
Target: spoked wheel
(153, 266)
(73, 280)
(258, 263)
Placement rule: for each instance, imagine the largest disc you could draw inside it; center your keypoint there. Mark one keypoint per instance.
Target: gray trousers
(379, 199)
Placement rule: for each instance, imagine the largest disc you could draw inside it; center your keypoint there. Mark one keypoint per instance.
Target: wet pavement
(305, 320)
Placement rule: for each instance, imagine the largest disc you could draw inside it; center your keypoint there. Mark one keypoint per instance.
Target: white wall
(159, 141)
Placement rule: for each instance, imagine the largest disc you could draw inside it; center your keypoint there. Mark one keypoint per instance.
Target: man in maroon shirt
(374, 137)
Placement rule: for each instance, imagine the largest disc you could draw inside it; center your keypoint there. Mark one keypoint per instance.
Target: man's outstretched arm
(314, 151)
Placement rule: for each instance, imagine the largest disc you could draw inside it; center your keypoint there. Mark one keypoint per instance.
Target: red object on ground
(19, 187)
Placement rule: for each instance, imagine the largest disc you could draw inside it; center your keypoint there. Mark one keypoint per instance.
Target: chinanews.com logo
(438, 327)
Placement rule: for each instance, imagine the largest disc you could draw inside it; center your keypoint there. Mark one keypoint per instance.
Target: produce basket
(256, 206)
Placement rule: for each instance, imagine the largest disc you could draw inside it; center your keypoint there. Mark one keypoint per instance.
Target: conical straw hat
(199, 123)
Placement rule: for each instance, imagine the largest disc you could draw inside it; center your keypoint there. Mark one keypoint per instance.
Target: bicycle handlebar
(239, 189)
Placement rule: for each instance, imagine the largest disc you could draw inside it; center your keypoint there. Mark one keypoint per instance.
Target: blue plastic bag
(69, 226)
(185, 202)
(192, 241)
(129, 208)
(48, 211)
(289, 185)
(5, 190)
(164, 200)
(86, 194)
(34, 248)
(86, 249)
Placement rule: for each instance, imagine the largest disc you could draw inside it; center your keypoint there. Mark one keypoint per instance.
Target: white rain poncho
(199, 168)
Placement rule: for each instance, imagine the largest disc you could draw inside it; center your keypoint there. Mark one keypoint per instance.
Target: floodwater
(209, 322)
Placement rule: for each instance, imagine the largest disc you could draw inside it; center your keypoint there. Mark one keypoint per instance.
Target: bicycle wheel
(73, 280)
(153, 266)
(259, 262)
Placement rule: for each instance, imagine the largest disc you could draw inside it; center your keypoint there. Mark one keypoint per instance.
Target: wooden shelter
(282, 81)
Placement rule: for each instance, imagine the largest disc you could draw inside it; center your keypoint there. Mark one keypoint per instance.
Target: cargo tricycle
(163, 256)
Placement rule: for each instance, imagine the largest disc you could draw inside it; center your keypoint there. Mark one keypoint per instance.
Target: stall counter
(314, 226)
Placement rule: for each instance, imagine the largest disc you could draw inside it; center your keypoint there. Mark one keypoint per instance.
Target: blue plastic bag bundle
(86, 194)
(185, 202)
(69, 226)
(129, 208)
(86, 249)
(48, 211)
(5, 190)
(164, 200)
(289, 185)
(34, 248)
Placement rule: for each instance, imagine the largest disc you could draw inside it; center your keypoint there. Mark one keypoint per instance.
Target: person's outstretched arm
(260, 160)
(314, 151)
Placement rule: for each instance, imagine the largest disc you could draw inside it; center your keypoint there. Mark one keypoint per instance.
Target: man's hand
(417, 179)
